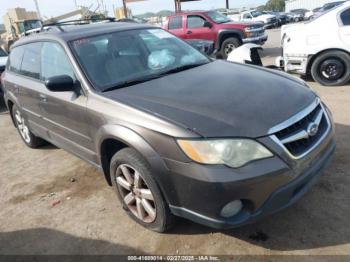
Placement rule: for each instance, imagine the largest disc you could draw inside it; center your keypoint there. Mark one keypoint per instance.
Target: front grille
(304, 134)
(2, 69)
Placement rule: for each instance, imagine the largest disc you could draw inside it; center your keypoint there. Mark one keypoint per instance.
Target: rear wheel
(27, 136)
(331, 68)
(228, 46)
(138, 192)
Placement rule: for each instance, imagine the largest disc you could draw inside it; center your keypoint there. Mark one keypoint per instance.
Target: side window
(175, 22)
(31, 61)
(15, 59)
(345, 17)
(54, 61)
(195, 21)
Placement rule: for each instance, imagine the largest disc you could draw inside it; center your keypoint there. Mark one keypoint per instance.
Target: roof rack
(59, 25)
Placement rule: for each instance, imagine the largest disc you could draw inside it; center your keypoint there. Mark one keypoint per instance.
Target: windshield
(256, 13)
(116, 60)
(217, 17)
(2, 53)
(29, 25)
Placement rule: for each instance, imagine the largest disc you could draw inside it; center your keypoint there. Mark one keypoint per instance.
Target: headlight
(249, 29)
(232, 152)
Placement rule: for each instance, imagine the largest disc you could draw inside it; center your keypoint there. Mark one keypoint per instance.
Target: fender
(126, 136)
(224, 32)
(133, 140)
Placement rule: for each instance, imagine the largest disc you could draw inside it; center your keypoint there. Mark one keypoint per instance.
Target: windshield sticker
(161, 34)
(82, 41)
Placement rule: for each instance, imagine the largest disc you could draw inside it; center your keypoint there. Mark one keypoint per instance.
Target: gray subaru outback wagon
(174, 132)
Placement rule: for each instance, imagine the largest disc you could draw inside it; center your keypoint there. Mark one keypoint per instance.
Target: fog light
(231, 208)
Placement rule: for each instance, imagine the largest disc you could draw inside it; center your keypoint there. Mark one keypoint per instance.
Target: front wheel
(228, 46)
(331, 68)
(138, 192)
(27, 136)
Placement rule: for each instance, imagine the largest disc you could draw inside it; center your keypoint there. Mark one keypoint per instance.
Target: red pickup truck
(216, 27)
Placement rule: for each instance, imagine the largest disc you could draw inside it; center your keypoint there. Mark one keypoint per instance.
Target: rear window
(31, 61)
(15, 59)
(175, 22)
(345, 17)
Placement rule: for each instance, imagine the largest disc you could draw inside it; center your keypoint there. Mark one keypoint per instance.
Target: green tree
(275, 5)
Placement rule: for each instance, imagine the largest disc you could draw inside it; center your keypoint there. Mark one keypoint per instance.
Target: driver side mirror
(62, 83)
(208, 24)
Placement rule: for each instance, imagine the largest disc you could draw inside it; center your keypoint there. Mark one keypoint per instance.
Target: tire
(331, 68)
(228, 46)
(26, 135)
(125, 165)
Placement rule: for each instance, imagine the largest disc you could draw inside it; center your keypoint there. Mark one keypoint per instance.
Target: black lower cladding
(202, 201)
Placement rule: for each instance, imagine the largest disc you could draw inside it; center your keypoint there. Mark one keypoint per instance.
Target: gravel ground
(53, 203)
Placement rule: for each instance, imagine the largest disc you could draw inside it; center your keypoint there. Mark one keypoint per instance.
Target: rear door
(25, 80)
(344, 29)
(65, 113)
(195, 28)
(176, 26)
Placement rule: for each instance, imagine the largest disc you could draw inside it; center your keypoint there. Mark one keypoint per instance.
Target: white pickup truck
(269, 20)
(320, 47)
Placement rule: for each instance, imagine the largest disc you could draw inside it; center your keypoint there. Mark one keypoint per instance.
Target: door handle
(43, 98)
(189, 32)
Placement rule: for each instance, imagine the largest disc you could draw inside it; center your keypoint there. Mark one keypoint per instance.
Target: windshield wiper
(131, 82)
(181, 68)
(151, 77)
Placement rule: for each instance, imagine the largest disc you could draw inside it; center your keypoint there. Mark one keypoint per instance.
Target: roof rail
(76, 22)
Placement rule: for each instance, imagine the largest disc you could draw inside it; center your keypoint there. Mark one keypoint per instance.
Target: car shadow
(271, 52)
(319, 219)
(43, 241)
(3, 108)
(48, 146)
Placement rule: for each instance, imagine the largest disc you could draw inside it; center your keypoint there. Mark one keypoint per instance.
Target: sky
(49, 8)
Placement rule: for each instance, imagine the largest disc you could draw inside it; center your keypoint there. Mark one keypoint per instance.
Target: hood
(3, 60)
(265, 16)
(242, 23)
(220, 99)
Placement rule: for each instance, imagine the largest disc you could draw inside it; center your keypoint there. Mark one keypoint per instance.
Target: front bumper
(199, 192)
(297, 64)
(271, 25)
(256, 40)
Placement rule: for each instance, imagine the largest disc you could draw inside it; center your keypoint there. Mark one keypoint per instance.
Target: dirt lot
(53, 203)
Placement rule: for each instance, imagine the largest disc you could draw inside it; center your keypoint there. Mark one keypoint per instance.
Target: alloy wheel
(135, 193)
(22, 127)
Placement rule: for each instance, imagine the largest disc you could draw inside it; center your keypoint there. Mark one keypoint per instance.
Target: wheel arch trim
(133, 140)
(226, 32)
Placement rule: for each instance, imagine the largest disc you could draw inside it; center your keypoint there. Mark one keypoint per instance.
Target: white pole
(37, 8)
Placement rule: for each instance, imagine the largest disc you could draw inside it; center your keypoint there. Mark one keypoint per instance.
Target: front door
(196, 29)
(64, 112)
